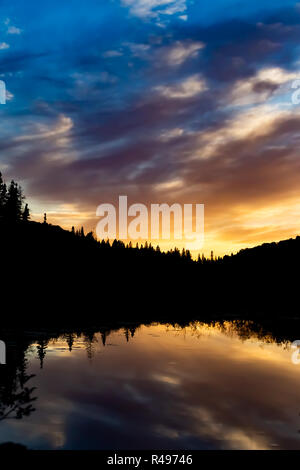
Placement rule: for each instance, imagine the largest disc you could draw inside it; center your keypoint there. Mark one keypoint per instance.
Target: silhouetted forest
(50, 274)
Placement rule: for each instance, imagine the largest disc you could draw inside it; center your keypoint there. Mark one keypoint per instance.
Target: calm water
(202, 387)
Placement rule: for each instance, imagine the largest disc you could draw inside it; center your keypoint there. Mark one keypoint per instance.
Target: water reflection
(227, 385)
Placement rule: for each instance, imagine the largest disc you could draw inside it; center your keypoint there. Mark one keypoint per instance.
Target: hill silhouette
(45, 267)
(49, 274)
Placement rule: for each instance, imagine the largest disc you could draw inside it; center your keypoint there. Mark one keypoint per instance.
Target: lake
(204, 386)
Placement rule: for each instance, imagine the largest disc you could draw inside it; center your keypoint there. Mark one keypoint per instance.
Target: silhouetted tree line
(73, 273)
(145, 249)
(11, 203)
(12, 209)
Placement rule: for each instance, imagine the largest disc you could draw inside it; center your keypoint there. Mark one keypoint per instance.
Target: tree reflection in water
(16, 394)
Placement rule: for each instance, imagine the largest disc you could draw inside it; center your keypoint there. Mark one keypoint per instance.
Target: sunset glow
(166, 102)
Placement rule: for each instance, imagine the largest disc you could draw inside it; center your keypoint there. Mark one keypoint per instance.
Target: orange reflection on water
(200, 387)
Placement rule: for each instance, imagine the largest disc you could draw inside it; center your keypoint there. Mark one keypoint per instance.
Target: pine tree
(26, 214)
(3, 197)
(41, 348)
(13, 205)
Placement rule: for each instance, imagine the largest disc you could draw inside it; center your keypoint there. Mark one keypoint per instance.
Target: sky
(165, 101)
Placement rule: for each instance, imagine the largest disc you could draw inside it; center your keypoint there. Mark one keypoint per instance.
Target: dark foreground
(49, 274)
(112, 347)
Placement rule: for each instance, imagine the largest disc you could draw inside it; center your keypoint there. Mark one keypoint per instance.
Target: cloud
(169, 185)
(41, 131)
(137, 49)
(14, 30)
(259, 88)
(4, 45)
(147, 9)
(111, 54)
(188, 88)
(180, 51)
(171, 134)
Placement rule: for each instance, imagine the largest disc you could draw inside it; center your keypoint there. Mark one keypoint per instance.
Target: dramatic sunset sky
(184, 101)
